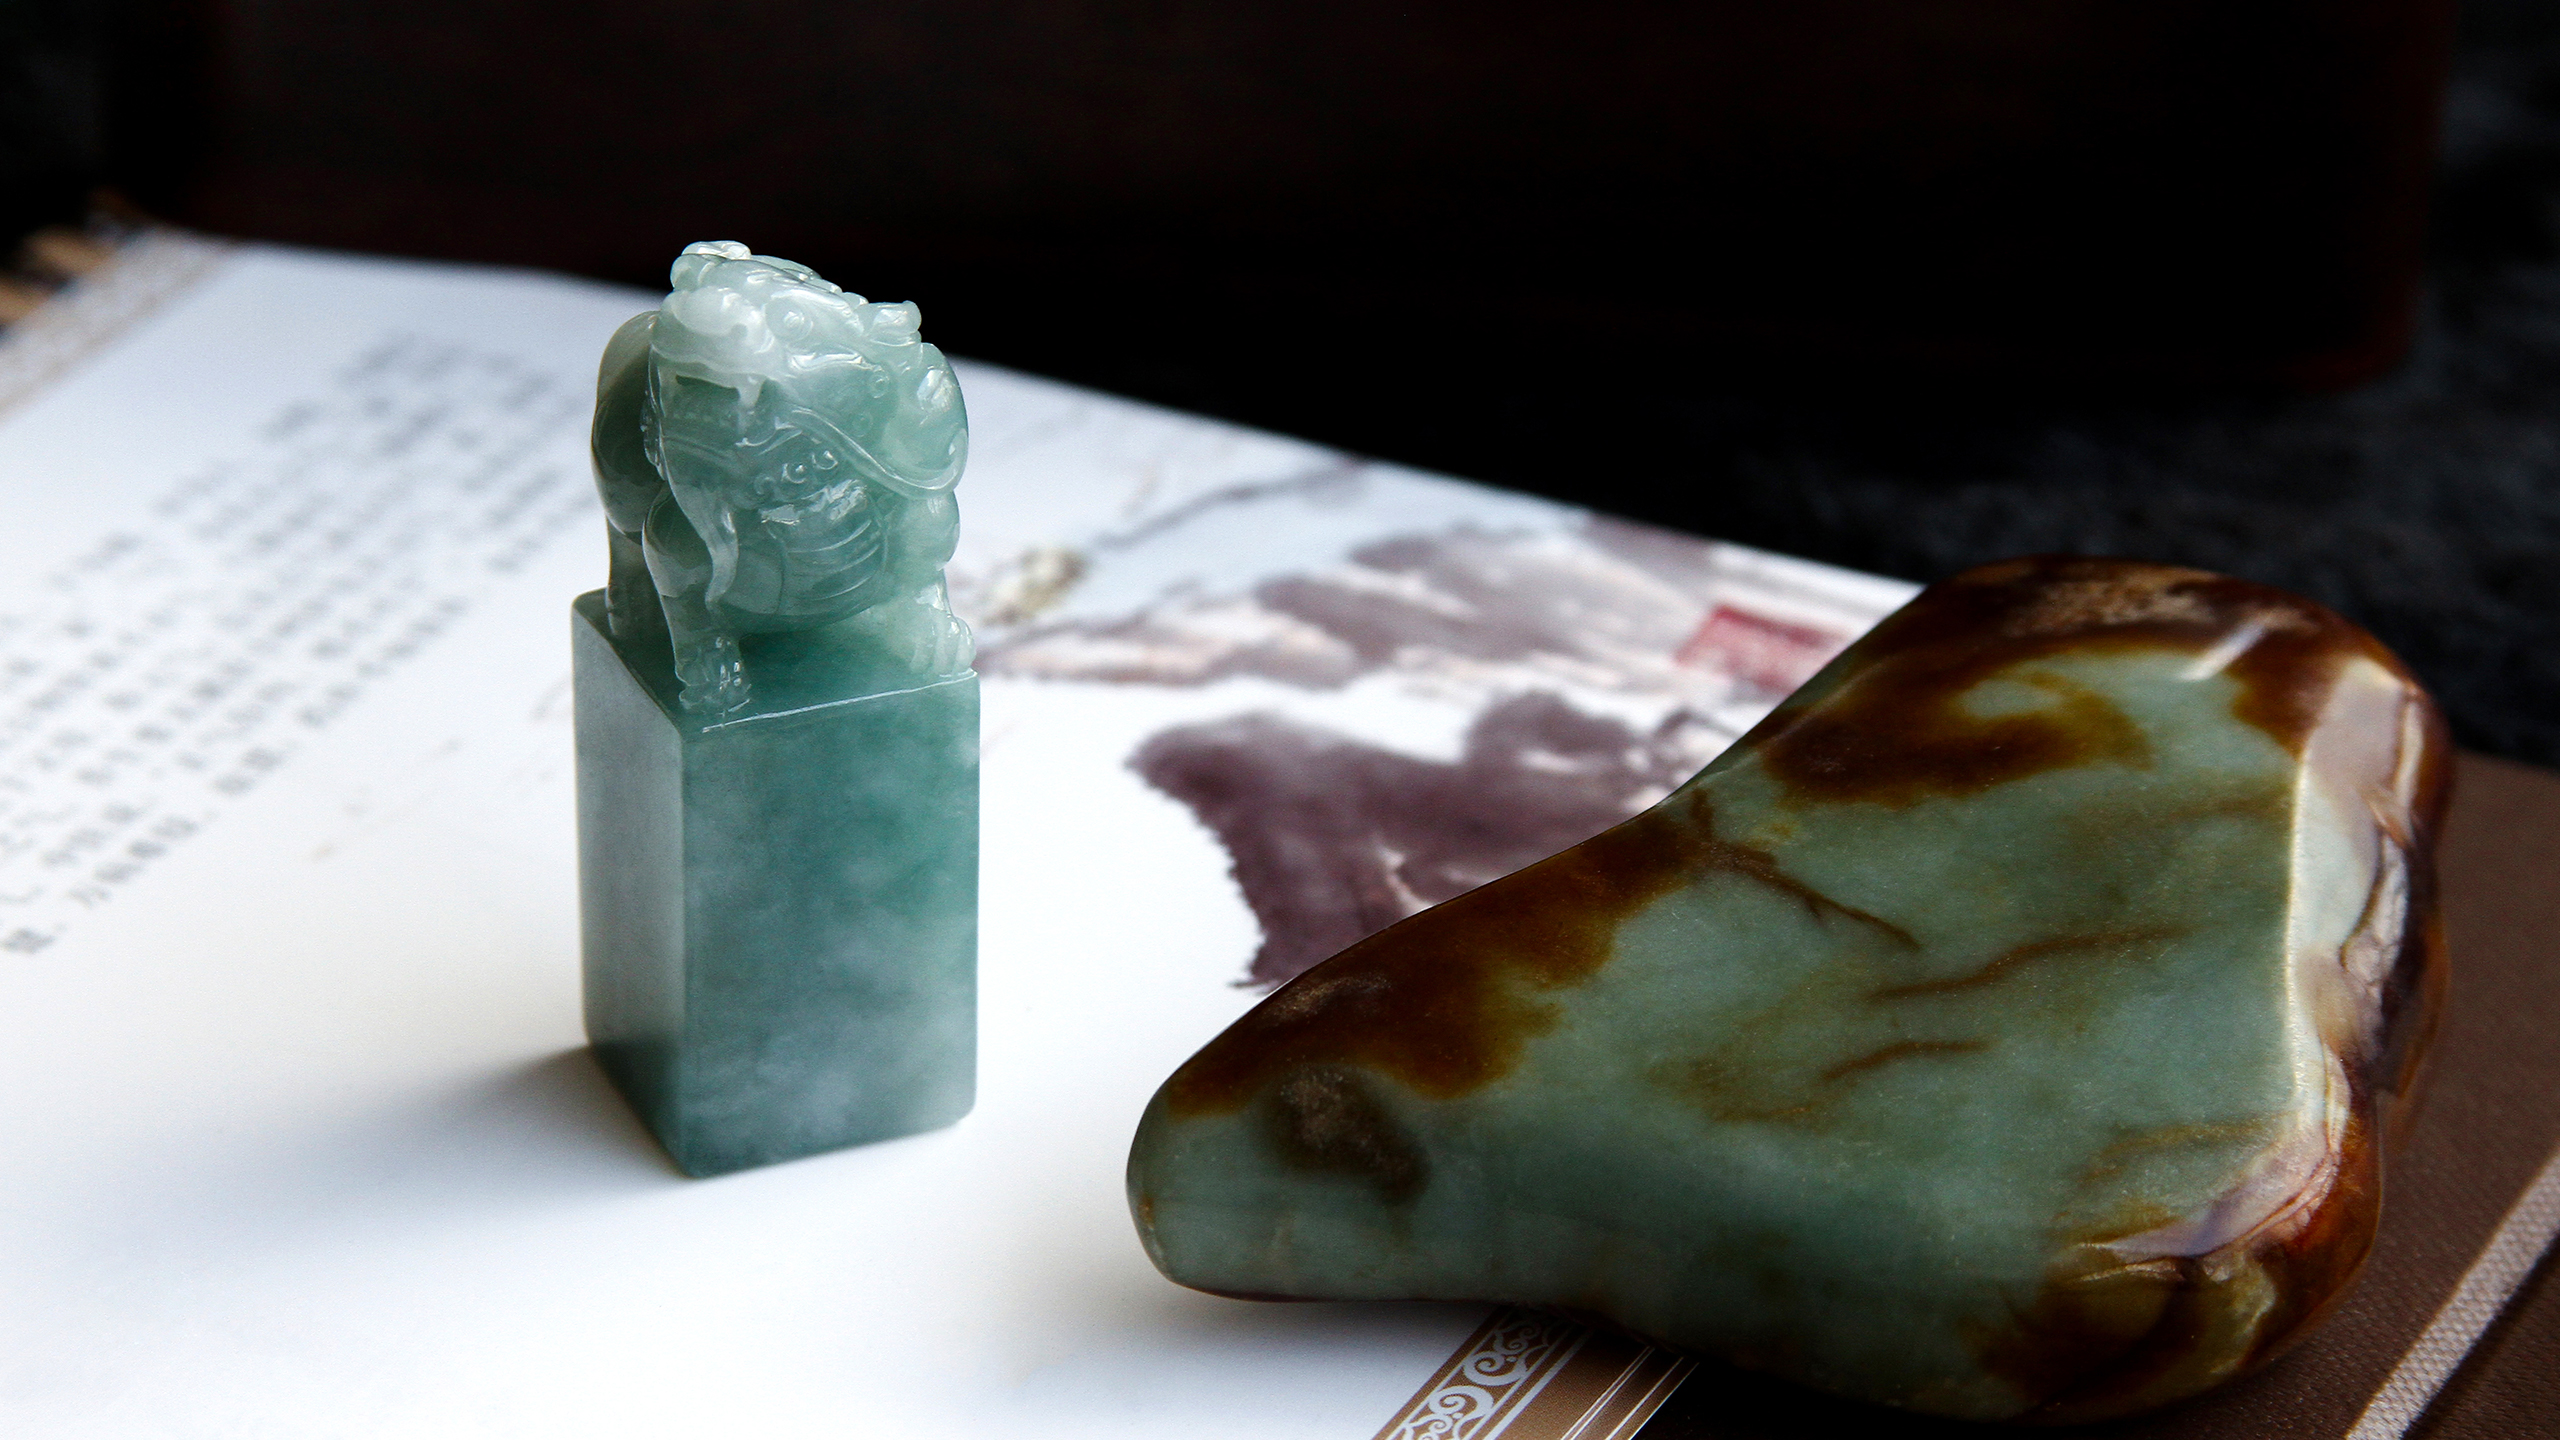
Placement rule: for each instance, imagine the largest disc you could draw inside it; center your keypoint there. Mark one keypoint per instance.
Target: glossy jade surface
(777, 723)
(2009, 1027)
(776, 457)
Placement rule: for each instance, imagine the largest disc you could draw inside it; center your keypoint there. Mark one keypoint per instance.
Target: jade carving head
(771, 386)
(796, 450)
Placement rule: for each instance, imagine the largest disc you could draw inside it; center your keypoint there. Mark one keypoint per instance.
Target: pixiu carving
(778, 455)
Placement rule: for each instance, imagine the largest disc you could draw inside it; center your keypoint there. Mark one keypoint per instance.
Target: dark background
(1900, 286)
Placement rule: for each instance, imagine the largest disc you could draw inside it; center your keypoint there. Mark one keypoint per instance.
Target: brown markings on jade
(1443, 1002)
(1895, 731)
(2103, 1338)
(2095, 1345)
(2110, 945)
(1325, 1117)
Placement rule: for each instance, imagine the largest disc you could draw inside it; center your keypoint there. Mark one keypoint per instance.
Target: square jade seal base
(779, 906)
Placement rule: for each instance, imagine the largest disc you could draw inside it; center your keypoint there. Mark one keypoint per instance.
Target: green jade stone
(2009, 1027)
(777, 723)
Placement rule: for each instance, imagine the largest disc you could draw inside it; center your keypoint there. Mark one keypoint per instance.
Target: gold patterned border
(1527, 1376)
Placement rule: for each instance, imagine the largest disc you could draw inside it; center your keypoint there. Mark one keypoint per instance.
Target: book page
(304, 1138)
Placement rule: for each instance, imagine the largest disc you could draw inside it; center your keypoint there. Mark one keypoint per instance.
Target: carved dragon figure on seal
(776, 454)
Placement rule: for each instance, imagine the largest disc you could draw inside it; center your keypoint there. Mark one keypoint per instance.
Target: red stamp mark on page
(1767, 654)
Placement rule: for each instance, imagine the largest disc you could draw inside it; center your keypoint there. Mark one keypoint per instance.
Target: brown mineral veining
(2139, 1334)
(1884, 1055)
(1443, 1003)
(2115, 945)
(1896, 730)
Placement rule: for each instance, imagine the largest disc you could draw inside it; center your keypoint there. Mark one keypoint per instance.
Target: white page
(302, 1138)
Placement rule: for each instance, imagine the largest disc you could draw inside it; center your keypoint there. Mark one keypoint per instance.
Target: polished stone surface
(780, 908)
(2008, 1027)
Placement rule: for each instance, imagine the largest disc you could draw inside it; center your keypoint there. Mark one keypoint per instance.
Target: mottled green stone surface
(2005, 1028)
(780, 902)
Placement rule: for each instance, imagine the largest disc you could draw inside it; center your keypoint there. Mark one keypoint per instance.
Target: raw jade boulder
(2007, 1028)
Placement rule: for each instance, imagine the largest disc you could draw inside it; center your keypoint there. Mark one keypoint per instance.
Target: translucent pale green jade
(777, 723)
(2007, 1028)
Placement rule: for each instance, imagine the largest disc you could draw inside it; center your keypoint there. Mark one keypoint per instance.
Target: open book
(303, 1137)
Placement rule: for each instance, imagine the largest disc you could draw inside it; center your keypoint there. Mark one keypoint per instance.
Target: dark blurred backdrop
(1901, 286)
(2219, 189)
